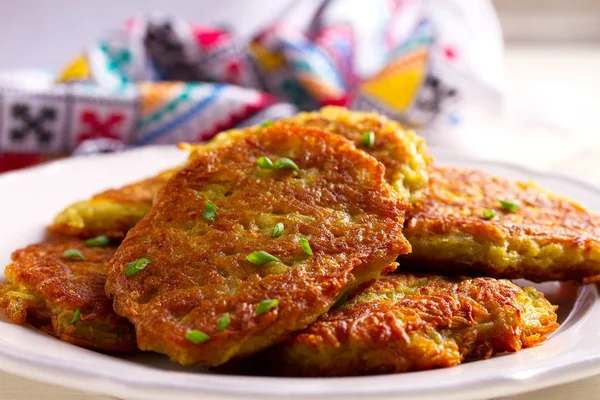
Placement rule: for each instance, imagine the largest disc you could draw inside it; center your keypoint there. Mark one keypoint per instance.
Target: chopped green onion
(277, 230)
(265, 162)
(509, 205)
(489, 214)
(98, 241)
(283, 163)
(210, 211)
(341, 301)
(261, 258)
(368, 139)
(305, 246)
(136, 266)
(73, 253)
(265, 306)
(223, 322)
(76, 317)
(266, 123)
(196, 337)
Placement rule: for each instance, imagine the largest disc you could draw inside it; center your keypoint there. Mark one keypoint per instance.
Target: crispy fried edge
(474, 246)
(22, 305)
(368, 338)
(121, 306)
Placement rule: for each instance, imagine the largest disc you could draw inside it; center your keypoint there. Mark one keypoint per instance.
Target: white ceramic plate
(28, 199)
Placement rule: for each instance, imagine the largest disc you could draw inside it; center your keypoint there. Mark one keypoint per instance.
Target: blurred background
(46, 34)
(550, 94)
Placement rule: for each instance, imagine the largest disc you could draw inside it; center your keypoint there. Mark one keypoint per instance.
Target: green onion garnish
(223, 322)
(489, 214)
(265, 162)
(136, 266)
(368, 139)
(509, 205)
(98, 241)
(73, 253)
(196, 337)
(305, 246)
(266, 123)
(210, 211)
(341, 301)
(265, 306)
(277, 230)
(283, 163)
(76, 317)
(261, 258)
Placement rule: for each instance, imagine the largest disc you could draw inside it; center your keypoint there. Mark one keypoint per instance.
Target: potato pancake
(403, 152)
(252, 241)
(52, 288)
(476, 223)
(407, 323)
(112, 212)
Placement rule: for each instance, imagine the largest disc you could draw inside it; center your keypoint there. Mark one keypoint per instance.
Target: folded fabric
(163, 80)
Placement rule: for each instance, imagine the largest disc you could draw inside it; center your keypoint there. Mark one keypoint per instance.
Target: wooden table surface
(551, 123)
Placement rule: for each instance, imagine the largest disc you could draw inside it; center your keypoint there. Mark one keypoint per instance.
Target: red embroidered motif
(94, 128)
(209, 38)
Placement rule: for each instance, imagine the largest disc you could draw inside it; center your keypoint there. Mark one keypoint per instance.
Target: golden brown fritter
(547, 238)
(404, 154)
(198, 272)
(112, 212)
(46, 289)
(407, 323)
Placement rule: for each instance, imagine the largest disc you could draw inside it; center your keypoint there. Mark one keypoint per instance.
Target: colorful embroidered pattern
(163, 80)
(32, 124)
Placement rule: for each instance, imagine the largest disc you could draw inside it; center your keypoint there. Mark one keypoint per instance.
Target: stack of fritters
(258, 240)
(212, 252)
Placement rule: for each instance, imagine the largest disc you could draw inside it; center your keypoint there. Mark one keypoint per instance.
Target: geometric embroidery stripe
(172, 105)
(69, 109)
(165, 129)
(298, 52)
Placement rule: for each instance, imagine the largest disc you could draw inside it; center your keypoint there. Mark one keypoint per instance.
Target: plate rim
(501, 385)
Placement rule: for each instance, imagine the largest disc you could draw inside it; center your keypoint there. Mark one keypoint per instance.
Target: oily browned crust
(403, 152)
(548, 238)
(112, 212)
(198, 270)
(45, 289)
(406, 323)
